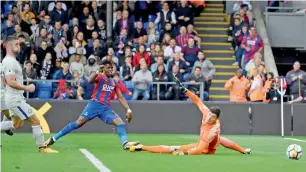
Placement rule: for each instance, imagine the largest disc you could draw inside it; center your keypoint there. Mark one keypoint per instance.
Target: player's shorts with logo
(19, 107)
(95, 109)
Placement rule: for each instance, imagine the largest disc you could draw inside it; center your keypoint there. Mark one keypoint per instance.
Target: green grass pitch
(268, 155)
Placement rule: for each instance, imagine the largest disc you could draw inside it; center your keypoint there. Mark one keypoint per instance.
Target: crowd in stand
(65, 40)
(152, 42)
(251, 81)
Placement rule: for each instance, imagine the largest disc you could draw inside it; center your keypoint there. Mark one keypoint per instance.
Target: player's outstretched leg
(121, 131)
(155, 149)
(7, 124)
(67, 129)
(227, 143)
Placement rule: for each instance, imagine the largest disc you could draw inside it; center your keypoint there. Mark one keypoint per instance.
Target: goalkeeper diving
(209, 133)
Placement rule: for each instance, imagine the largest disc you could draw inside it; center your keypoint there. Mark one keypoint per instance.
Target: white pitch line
(95, 161)
(298, 140)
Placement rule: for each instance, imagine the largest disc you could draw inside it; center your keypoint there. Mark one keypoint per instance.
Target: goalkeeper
(209, 134)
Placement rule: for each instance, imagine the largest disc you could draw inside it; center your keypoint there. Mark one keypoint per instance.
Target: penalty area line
(95, 161)
(298, 140)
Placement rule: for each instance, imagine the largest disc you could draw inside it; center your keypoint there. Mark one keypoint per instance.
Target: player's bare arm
(11, 81)
(123, 102)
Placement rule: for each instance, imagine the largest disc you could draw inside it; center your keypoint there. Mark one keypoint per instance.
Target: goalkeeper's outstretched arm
(194, 98)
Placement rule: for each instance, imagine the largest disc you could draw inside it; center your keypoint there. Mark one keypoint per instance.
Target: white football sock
(39, 135)
(6, 125)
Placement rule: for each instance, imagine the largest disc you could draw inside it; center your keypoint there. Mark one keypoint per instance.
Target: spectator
(190, 30)
(97, 49)
(237, 43)
(256, 94)
(157, 51)
(121, 86)
(127, 52)
(184, 14)
(63, 74)
(26, 10)
(196, 77)
(77, 65)
(252, 44)
(57, 67)
(45, 72)
(8, 30)
(63, 91)
(78, 84)
(84, 16)
(92, 66)
(183, 37)
(79, 51)
(61, 50)
(237, 86)
(102, 30)
(28, 72)
(197, 7)
(159, 61)
(180, 63)
(142, 80)
(122, 41)
(97, 12)
(171, 49)
(166, 41)
(110, 56)
(174, 91)
(25, 24)
(46, 24)
(160, 75)
(126, 70)
(35, 30)
(58, 32)
(207, 69)
(254, 64)
(141, 11)
(140, 32)
(25, 50)
(168, 29)
(273, 95)
(43, 37)
(296, 79)
(52, 6)
(190, 52)
(124, 23)
(18, 32)
(90, 27)
(35, 64)
(141, 53)
(165, 16)
(153, 34)
(81, 41)
(301, 98)
(42, 50)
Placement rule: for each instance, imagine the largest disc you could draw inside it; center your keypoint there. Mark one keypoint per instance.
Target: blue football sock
(122, 133)
(67, 129)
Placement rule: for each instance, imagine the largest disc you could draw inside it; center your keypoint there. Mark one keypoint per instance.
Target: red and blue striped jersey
(254, 42)
(104, 88)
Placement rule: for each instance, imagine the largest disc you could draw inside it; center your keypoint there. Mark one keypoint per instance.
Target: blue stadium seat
(44, 90)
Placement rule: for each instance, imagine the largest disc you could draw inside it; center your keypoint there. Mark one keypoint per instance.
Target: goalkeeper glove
(182, 87)
(179, 152)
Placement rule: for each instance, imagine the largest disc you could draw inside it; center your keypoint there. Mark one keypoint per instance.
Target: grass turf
(268, 154)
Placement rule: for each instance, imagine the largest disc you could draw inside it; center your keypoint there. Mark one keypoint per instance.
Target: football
(294, 151)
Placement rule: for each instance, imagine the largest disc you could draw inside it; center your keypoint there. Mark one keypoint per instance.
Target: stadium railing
(49, 86)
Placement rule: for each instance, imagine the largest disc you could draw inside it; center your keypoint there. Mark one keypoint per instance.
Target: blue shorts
(95, 109)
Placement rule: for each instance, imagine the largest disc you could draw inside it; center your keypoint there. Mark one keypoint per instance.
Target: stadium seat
(44, 90)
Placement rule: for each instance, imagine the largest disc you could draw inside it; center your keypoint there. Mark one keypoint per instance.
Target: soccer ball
(294, 151)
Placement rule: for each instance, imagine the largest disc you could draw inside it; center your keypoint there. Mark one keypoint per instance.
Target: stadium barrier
(51, 87)
(176, 117)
